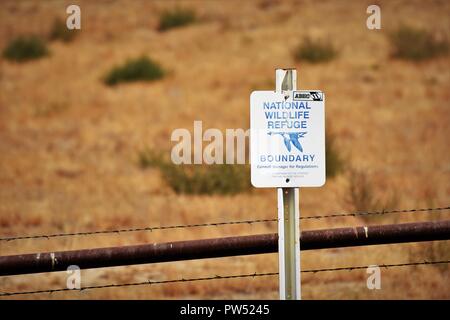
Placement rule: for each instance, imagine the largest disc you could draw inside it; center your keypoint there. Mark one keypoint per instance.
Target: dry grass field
(69, 144)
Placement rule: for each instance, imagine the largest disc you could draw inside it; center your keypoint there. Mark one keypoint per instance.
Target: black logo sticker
(308, 96)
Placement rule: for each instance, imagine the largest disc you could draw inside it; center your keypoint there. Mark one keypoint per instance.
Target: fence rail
(221, 247)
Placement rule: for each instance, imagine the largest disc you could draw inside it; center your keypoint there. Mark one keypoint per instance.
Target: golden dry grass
(68, 143)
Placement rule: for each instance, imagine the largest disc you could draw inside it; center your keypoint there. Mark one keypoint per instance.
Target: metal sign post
(288, 215)
(287, 151)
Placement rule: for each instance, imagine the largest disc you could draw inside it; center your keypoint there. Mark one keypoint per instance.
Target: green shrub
(213, 179)
(334, 162)
(416, 44)
(176, 18)
(148, 158)
(141, 69)
(315, 51)
(25, 48)
(199, 179)
(60, 31)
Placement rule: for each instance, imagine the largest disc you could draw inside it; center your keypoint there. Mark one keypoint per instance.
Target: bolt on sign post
(287, 151)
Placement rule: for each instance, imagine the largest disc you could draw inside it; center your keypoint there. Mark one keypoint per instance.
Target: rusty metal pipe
(221, 247)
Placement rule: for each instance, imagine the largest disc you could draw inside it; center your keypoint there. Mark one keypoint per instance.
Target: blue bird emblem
(291, 137)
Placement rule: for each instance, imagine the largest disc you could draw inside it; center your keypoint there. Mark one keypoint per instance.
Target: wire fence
(217, 224)
(219, 277)
(341, 237)
(146, 253)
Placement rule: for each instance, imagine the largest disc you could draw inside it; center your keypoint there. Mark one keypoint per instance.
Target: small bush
(176, 18)
(198, 179)
(334, 162)
(60, 31)
(25, 48)
(141, 69)
(361, 196)
(214, 179)
(315, 51)
(416, 44)
(148, 158)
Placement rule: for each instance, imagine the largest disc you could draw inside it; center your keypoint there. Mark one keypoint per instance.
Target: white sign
(287, 133)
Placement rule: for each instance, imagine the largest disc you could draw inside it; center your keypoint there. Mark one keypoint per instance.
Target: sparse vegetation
(416, 44)
(361, 195)
(199, 179)
(51, 108)
(25, 48)
(176, 18)
(214, 179)
(334, 162)
(140, 69)
(432, 251)
(149, 158)
(60, 31)
(315, 51)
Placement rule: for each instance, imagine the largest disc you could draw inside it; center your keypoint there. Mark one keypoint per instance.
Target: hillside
(70, 145)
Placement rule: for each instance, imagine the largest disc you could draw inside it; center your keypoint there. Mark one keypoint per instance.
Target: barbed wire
(218, 277)
(368, 213)
(216, 224)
